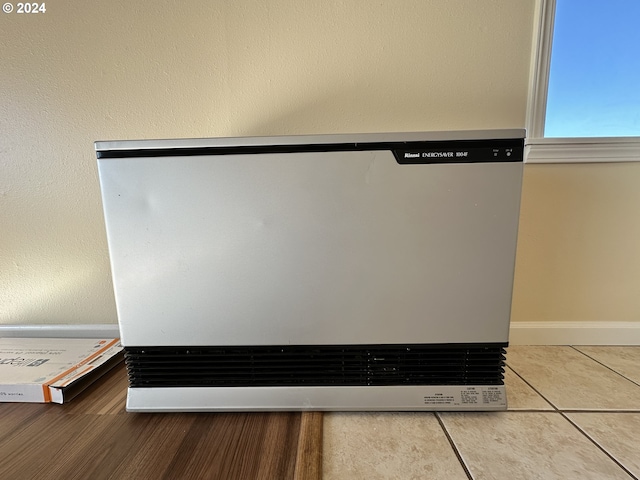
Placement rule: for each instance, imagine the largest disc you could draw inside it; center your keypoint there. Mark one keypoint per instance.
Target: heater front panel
(310, 248)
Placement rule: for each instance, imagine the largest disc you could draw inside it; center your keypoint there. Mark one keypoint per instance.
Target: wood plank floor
(92, 437)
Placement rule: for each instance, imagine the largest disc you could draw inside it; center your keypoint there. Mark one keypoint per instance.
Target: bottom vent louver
(330, 365)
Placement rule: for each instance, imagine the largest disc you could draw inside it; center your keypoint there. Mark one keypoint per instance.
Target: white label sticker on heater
(493, 395)
(467, 397)
(470, 396)
(439, 399)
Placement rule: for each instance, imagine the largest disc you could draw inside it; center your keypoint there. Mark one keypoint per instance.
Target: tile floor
(574, 413)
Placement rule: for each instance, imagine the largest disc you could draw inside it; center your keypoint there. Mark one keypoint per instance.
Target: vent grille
(332, 365)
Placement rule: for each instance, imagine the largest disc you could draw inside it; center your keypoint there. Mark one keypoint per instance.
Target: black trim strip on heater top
(427, 152)
(316, 365)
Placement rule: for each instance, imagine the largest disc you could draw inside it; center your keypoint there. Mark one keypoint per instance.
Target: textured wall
(579, 244)
(87, 71)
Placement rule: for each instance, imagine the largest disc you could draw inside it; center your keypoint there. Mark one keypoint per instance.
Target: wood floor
(92, 437)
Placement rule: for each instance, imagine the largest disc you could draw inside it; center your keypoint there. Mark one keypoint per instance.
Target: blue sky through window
(594, 81)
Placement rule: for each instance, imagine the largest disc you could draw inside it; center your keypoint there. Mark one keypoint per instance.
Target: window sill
(582, 150)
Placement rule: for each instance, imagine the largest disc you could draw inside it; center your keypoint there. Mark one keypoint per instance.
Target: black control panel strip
(406, 153)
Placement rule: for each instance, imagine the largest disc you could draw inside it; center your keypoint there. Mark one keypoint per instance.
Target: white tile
(521, 396)
(387, 446)
(527, 445)
(624, 360)
(572, 381)
(617, 433)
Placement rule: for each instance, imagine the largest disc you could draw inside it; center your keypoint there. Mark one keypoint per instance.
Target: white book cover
(52, 369)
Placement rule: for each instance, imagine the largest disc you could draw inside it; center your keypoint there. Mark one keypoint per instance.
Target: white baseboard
(575, 333)
(61, 331)
(522, 333)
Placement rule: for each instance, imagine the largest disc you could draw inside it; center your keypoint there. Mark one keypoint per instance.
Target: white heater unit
(330, 272)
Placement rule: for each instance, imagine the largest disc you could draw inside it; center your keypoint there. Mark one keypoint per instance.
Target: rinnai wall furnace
(341, 272)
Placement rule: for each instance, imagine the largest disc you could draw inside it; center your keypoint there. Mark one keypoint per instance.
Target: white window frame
(562, 150)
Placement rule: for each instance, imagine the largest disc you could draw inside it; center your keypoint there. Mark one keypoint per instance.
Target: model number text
(444, 154)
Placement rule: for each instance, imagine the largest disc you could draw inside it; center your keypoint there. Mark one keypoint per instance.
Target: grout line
(600, 447)
(604, 365)
(453, 446)
(531, 410)
(566, 410)
(576, 410)
(535, 390)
